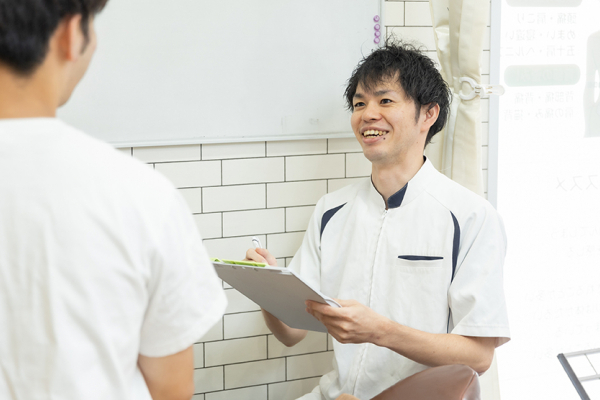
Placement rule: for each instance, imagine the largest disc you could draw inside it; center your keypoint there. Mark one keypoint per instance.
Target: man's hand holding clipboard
(285, 334)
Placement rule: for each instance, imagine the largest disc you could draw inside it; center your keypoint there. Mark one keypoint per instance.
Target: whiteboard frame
(240, 139)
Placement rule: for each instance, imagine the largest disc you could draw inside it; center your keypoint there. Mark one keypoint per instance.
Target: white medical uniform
(431, 261)
(100, 261)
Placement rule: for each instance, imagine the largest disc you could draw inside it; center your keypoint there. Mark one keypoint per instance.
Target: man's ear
(430, 115)
(71, 39)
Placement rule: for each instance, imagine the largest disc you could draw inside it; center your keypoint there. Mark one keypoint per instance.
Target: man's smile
(373, 133)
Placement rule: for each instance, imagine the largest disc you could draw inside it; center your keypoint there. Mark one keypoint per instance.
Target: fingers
(260, 255)
(346, 397)
(346, 303)
(267, 256)
(252, 255)
(335, 322)
(315, 309)
(322, 309)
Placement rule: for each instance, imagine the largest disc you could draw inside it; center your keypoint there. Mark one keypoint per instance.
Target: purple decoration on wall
(377, 33)
(376, 18)
(377, 27)
(376, 40)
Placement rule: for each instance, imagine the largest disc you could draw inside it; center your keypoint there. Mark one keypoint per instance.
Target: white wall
(269, 189)
(548, 195)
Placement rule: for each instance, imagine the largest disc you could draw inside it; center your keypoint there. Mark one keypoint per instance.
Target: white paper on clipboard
(277, 290)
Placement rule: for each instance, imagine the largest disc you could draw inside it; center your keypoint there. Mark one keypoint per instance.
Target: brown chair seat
(448, 382)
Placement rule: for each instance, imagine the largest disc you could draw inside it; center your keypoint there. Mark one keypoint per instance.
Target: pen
(256, 243)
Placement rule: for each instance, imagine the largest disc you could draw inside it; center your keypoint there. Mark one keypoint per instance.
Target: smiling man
(415, 259)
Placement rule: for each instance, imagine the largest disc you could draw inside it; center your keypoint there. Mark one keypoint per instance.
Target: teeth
(372, 132)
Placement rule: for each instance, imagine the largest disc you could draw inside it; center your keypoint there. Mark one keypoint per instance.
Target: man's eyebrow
(382, 92)
(377, 93)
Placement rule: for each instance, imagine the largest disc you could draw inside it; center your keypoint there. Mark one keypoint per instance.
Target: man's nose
(371, 112)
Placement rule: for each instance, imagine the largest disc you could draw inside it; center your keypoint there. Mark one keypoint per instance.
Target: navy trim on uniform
(455, 245)
(327, 216)
(395, 200)
(420, 258)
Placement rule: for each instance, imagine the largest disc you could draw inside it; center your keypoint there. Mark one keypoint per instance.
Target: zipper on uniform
(362, 356)
(385, 213)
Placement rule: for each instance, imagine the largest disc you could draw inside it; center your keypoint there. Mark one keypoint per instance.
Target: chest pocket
(427, 273)
(421, 285)
(420, 258)
(414, 263)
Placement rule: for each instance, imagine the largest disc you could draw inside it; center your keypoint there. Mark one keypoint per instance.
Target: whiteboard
(195, 71)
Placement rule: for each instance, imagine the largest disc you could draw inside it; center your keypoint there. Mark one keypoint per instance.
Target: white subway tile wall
(239, 223)
(252, 392)
(394, 13)
(303, 168)
(256, 372)
(244, 324)
(253, 170)
(309, 365)
(269, 190)
(292, 390)
(296, 218)
(167, 153)
(284, 244)
(223, 151)
(191, 174)
(235, 351)
(296, 147)
(313, 342)
(209, 225)
(345, 145)
(417, 14)
(291, 194)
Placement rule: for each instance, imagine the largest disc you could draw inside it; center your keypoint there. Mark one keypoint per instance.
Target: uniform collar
(410, 191)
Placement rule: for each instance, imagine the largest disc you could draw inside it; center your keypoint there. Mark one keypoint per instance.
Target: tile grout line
(272, 182)
(345, 165)
(262, 384)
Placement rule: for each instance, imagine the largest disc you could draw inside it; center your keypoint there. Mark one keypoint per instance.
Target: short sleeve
(307, 261)
(476, 295)
(186, 297)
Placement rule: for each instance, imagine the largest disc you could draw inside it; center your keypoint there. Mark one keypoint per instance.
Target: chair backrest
(448, 382)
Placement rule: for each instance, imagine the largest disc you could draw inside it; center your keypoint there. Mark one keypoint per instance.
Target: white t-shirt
(432, 261)
(100, 261)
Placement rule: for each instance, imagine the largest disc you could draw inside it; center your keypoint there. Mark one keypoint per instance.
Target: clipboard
(277, 290)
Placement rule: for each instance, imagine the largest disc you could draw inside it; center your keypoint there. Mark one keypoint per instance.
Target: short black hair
(27, 25)
(416, 73)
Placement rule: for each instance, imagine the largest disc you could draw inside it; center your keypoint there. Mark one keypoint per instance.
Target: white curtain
(459, 29)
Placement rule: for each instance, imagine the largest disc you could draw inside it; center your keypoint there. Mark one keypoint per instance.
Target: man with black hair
(104, 283)
(415, 259)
